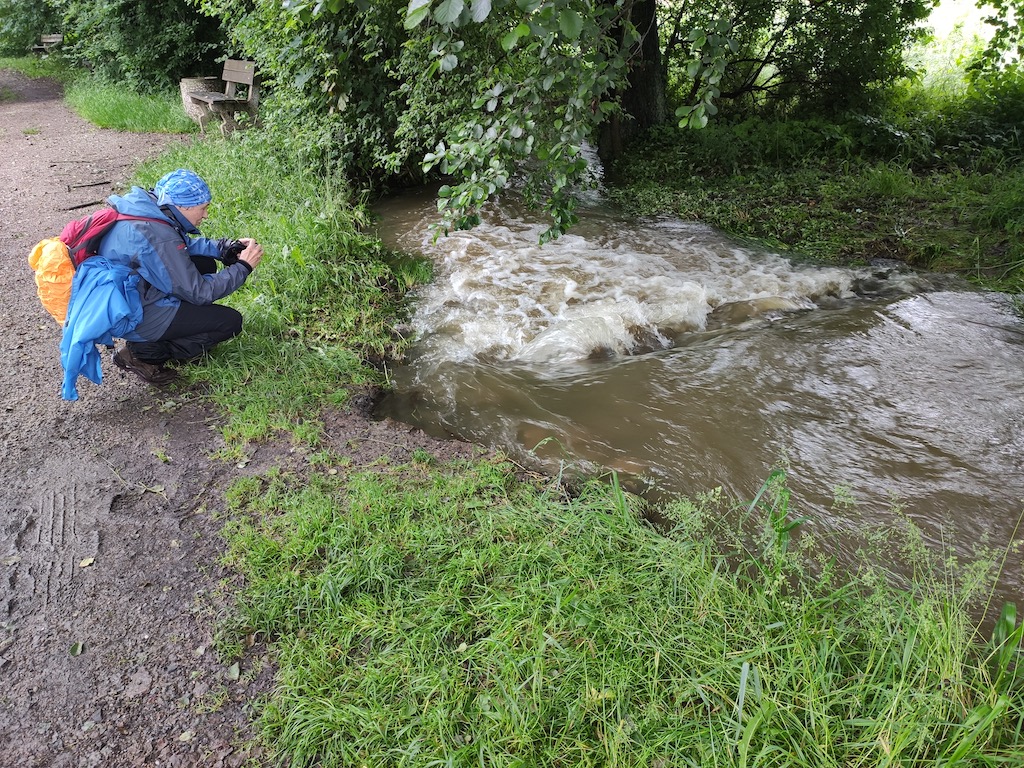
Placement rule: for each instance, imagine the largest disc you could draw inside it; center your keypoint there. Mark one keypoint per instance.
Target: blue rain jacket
(104, 303)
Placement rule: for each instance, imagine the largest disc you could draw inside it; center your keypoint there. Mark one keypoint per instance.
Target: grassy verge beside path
(322, 304)
(104, 104)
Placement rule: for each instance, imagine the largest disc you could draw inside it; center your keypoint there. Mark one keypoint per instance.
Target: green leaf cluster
(481, 92)
(1006, 45)
(542, 75)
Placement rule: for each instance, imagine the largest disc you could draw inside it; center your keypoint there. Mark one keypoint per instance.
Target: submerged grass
(853, 212)
(933, 177)
(459, 616)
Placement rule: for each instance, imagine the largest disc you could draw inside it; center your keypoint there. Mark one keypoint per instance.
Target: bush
(148, 46)
(22, 23)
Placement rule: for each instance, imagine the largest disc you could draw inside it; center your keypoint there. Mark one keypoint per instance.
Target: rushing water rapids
(685, 361)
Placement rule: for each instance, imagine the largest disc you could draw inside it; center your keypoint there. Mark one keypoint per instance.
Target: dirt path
(107, 542)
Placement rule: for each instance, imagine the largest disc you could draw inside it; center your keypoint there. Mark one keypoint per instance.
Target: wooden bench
(241, 94)
(46, 42)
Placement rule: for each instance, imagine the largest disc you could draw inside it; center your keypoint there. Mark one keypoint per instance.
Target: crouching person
(179, 279)
(154, 282)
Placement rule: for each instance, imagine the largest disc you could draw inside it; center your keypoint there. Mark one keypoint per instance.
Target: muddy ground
(109, 544)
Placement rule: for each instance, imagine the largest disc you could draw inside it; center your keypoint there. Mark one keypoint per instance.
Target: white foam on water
(606, 288)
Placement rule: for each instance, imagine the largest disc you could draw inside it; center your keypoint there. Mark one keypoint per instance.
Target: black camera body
(230, 250)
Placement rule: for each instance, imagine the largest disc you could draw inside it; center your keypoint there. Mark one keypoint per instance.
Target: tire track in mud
(56, 536)
(50, 527)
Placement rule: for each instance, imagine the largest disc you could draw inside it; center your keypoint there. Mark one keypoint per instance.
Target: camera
(230, 250)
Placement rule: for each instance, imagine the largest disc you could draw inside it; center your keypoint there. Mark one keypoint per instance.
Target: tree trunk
(643, 101)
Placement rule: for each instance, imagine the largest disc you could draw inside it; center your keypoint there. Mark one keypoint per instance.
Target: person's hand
(253, 252)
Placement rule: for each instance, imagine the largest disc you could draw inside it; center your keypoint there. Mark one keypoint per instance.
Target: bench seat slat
(215, 97)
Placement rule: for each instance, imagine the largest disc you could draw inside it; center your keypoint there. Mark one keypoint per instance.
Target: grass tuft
(121, 109)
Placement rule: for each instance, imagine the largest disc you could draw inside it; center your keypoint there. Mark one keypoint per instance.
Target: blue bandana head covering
(182, 188)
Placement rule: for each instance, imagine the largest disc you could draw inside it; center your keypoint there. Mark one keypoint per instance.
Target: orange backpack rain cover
(54, 273)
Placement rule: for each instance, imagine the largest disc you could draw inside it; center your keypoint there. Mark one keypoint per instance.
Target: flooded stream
(686, 361)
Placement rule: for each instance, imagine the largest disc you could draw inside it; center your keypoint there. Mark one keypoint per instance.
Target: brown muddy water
(686, 362)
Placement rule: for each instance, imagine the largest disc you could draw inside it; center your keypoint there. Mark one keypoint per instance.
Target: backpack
(55, 259)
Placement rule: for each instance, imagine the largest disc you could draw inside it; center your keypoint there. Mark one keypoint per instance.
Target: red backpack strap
(83, 236)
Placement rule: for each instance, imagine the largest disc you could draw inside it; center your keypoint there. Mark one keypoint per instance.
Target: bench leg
(199, 111)
(227, 124)
(227, 119)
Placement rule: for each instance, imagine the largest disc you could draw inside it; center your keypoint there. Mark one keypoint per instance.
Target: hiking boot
(151, 373)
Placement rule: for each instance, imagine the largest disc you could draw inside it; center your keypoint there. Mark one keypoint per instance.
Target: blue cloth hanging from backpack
(104, 304)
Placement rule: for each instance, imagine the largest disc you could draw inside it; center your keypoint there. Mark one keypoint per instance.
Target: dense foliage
(488, 93)
(491, 93)
(479, 91)
(937, 184)
(794, 55)
(22, 23)
(146, 46)
(1006, 46)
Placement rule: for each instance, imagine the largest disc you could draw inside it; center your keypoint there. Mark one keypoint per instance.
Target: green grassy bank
(459, 616)
(463, 615)
(322, 303)
(793, 193)
(934, 177)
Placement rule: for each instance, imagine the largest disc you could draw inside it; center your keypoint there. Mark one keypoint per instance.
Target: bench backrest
(237, 73)
(50, 39)
(241, 72)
